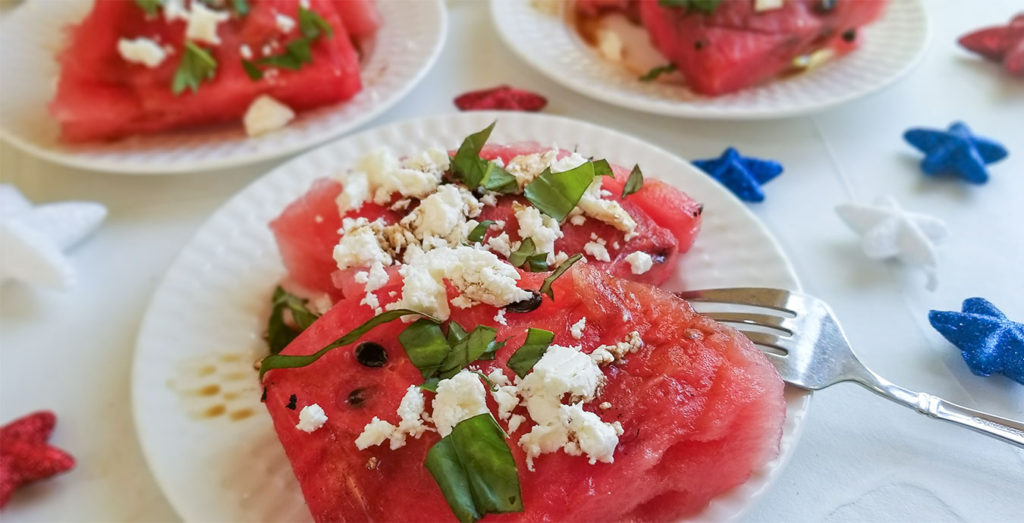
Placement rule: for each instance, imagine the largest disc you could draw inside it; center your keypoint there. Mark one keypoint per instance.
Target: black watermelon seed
(824, 6)
(527, 305)
(699, 211)
(850, 35)
(699, 44)
(292, 400)
(356, 397)
(371, 354)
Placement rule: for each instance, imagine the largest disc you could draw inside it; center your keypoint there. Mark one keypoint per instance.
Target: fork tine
(760, 297)
(767, 340)
(780, 323)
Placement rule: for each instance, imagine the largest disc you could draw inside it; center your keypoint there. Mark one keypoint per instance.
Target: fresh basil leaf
(538, 262)
(602, 168)
(490, 384)
(312, 25)
(254, 72)
(479, 342)
(151, 7)
(241, 7)
(634, 182)
(545, 287)
(288, 361)
(498, 179)
(520, 256)
(556, 194)
(479, 231)
(467, 164)
(455, 332)
(475, 470)
(524, 358)
(704, 6)
(279, 332)
(655, 72)
(426, 345)
(430, 384)
(196, 66)
(296, 54)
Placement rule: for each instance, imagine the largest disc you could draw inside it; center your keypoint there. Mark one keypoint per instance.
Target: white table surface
(860, 459)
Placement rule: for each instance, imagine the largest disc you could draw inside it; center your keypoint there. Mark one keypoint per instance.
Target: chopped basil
(704, 6)
(241, 7)
(426, 345)
(279, 331)
(479, 231)
(283, 361)
(655, 72)
(455, 332)
(255, 74)
(295, 55)
(545, 287)
(556, 194)
(474, 171)
(312, 25)
(634, 182)
(527, 255)
(602, 168)
(475, 470)
(479, 344)
(197, 66)
(149, 6)
(430, 384)
(524, 358)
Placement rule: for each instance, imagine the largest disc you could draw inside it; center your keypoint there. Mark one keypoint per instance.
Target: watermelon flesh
(100, 96)
(700, 406)
(667, 224)
(736, 46)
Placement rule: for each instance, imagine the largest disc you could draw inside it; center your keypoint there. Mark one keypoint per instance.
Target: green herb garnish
(475, 470)
(426, 345)
(479, 231)
(312, 25)
(545, 287)
(241, 7)
(634, 182)
(150, 6)
(556, 194)
(602, 168)
(283, 361)
(655, 72)
(527, 254)
(474, 171)
(440, 356)
(197, 66)
(455, 332)
(254, 72)
(295, 55)
(280, 332)
(524, 358)
(704, 6)
(298, 52)
(479, 344)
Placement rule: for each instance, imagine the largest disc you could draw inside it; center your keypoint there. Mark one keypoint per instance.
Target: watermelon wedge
(667, 224)
(700, 408)
(103, 96)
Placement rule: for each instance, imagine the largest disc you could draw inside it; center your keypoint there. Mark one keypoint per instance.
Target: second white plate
(407, 44)
(208, 439)
(538, 32)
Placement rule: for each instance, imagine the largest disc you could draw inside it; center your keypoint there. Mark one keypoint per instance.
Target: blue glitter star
(741, 175)
(990, 343)
(956, 151)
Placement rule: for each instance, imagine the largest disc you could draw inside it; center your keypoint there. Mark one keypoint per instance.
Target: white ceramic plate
(202, 332)
(541, 36)
(406, 46)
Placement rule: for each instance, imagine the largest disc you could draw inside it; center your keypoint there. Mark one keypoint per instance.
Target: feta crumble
(141, 50)
(416, 176)
(202, 23)
(610, 45)
(374, 433)
(284, 23)
(588, 434)
(359, 246)
(501, 244)
(597, 250)
(639, 262)
(541, 228)
(500, 317)
(311, 418)
(245, 51)
(411, 413)
(458, 398)
(515, 422)
(576, 330)
(266, 115)
(767, 5)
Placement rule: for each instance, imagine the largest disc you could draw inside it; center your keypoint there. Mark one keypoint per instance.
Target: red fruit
(700, 406)
(360, 17)
(25, 455)
(503, 98)
(1000, 44)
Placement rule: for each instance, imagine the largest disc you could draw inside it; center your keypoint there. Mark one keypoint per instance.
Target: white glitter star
(887, 231)
(32, 239)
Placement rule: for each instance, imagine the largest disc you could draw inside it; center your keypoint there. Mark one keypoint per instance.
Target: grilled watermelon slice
(700, 406)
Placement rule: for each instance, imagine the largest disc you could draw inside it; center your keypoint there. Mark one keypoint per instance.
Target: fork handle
(1008, 430)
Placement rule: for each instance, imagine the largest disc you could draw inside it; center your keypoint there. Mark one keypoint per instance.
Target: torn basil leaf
(312, 25)
(241, 7)
(526, 249)
(524, 358)
(556, 194)
(634, 182)
(704, 6)
(475, 470)
(254, 72)
(295, 55)
(456, 332)
(475, 171)
(425, 344)
(149, 6)
(288, 361)
(545, 287)
(196, 66)
(476, 345)
(602, 168)
(430, 384)
(281, 332)
(478, 232)
(655, 72)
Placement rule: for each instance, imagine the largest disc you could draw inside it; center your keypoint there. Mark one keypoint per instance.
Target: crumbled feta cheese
(610, 45)
(541, 228)
(358, 246)
(598, 251)
(500, 317)
(514, 423)
(355, 190)
(608, 211)
(245, 51)
(422, 292)
(410, 412)
(592, 436)
(561, 257)
(442, 214)
(416, 176)
(604, 405)
(639, 262)
(489, 199)
(458, 398)
(561, 371)
(311, 417)
(371, 301)
(141, 50)
(578, 220)
(175, 10)
(526, 167)
(266, 115)
(202, 23)
(374, 433)
(568, 163)
(284, 23)
(377, 277)
(767, 5)
(576, 330)
(500, 244)
(543, 439)
(610, 353)
(601, 356)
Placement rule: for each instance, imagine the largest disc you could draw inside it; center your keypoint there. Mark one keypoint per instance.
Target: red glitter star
(24, 454)
(1000, 44)
(503, 98)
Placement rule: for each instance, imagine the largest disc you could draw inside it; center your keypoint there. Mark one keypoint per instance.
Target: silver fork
(802, 338)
